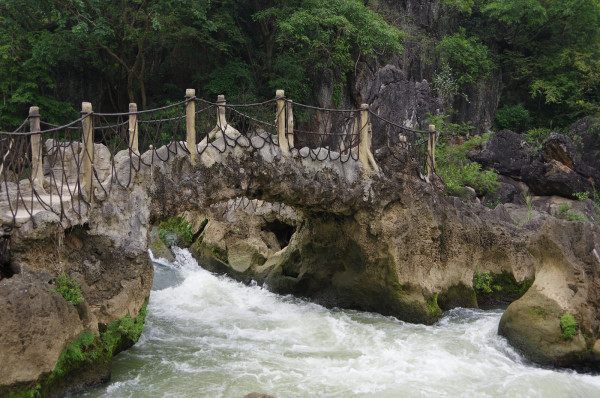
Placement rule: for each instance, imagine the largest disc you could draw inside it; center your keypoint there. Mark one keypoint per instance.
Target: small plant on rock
(581, 195)
(68, 288)
(482, 281)
(565, 213)
(493, 204)
(176, 225)
(568, 325)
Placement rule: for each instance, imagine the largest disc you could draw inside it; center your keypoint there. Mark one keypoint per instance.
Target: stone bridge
(375, 231)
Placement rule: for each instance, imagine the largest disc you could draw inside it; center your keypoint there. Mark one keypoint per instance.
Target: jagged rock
(567, 260)
(588, 147)
(159, 248)
(507, 191)
(393, 97)
(554, 178)
(503, 153)
(552, 171)
(558, 148)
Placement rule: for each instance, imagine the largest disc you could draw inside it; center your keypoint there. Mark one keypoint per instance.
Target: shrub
(176, 225)
(433, 309)
(482, 281)
(457, 171)
(469, 58)
(68, 288)
(565, 213)
(568, 325)
(514, 117)
(536, 137)
(581, 195)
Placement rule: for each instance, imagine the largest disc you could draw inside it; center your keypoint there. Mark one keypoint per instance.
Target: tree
(552, 50)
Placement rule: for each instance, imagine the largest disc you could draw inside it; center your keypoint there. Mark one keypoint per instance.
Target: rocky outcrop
(388, 242)
(505, 153)
(406, 103)
(555, 169)
(392, 243)
(106, 256)
(51, 324)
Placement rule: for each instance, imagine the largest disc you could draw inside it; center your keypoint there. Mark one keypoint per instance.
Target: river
(209, 336)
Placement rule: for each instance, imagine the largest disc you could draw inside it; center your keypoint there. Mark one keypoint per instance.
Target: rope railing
(64, 169)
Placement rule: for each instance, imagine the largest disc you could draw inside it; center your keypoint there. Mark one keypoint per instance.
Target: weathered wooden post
(290, 123)
(87, 150)
(280, 123)
(431, 151)
(190, 122)
(133, 129)
(36, 148)
(221, 116)
(364, 136)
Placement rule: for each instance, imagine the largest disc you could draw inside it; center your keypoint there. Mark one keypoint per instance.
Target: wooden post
(133, 129)
(363, 147)
(290, 123)
(36, 148)
(221, 116)
(87, 150)
(280, 123)
(431, 151)
(190, 122)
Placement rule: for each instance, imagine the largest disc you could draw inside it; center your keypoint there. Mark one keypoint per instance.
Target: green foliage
(564, 212)
(234, 80)
(178, 226)
(68, 288)
(452, 164)
(75, 353)
(482, 281)
(220, 254)
(469, 58)
(123, 332)
(581, 195)
(552, 52)
(493, 204)
(88, 351)
(445, 84)
(568, 325)
(433, 309)
(325, 38)
(513, 117)
(536, 137)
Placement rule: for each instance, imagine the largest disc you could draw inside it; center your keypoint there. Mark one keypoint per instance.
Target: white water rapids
(208, 336)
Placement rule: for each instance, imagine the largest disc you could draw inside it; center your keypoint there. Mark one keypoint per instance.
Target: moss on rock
(85, 361)
(533, 325)
(502, 289)
(458, 295)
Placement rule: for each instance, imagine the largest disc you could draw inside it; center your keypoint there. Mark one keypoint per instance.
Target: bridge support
(280, 120)
(431, 151)
(221, 116)
(133, 129)
(36, 149)
(190, 123)
(87, 150)
(290, 123)
(364, 148)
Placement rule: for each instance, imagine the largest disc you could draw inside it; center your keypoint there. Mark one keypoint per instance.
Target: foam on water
(208, 336)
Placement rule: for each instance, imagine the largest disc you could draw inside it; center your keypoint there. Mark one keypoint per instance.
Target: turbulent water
(208, 336)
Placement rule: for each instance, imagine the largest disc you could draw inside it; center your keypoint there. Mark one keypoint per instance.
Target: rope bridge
(63, 169)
